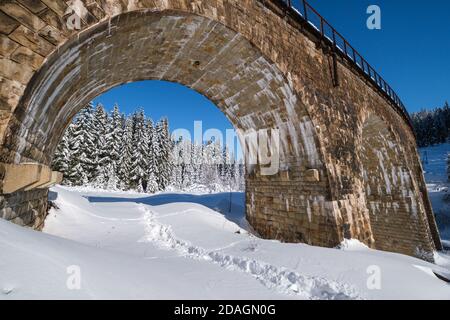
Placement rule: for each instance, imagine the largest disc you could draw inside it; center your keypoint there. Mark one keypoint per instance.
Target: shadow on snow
(231, 205)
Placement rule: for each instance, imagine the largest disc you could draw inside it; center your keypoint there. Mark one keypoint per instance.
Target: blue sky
(411, 51)
(181, 105)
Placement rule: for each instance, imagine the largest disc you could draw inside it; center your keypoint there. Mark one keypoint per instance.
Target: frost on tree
(432, 127)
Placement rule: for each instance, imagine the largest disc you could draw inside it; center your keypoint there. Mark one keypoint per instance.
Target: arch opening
(151, 136)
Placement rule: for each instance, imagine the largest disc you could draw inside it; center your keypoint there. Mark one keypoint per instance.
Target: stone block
(312, 175)
(7, 46)
(15, 71)
(32, 40)
(56, 178)
(7, 24)
(25, 56)
(52, 35)
(24, 176)
(34, 6)
(45, 177)
(22, 15)
(10, 92)
(58, 6)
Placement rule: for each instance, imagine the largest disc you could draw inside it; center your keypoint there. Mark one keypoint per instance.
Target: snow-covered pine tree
(446, 116)
(432, 126)
(126, 160)
(114, 140)
(181, 154)
(194, 165)
(211, 161)
(163, 159)
(62, 156)
(152, 157)
(101, 156)
(140, 159)
(240, 174)
(225, 168)
(138, 178)
(175, 157)
(81, 166)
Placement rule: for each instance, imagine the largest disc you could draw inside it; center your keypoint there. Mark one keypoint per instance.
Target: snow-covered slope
(175, 246)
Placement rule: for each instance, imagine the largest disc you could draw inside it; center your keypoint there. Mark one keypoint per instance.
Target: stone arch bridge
(349, 167)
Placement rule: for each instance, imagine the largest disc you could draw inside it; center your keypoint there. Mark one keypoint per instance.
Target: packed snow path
(175, 246)
(280, 279)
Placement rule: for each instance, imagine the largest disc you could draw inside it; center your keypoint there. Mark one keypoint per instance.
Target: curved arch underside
(260, 79)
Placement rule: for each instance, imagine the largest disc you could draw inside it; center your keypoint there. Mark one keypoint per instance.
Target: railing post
(322, 27)
(305, 8)
(334, 38)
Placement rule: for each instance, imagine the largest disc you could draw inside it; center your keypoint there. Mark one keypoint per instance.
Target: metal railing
(302, 10)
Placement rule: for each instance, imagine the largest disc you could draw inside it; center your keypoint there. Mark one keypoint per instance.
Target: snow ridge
(279, 279)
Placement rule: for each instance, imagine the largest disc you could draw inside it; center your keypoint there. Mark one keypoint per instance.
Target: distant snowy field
(434, 164)
(132, 246)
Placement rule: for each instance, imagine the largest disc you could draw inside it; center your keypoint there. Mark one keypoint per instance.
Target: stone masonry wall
(25, 208)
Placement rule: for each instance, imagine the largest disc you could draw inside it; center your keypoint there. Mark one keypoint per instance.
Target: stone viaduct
(349, 167)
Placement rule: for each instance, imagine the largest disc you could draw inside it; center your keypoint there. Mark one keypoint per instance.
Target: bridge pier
(24, 193)
(25, 208)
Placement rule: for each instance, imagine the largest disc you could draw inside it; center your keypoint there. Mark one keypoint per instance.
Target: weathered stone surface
(44, 178)
(58, 6)
(20, 176)
(7, 24)
(52, 35)
(10, 92)
(27, 57)
(348, 161)
(7, 46)
(55, 178)
(32, 40)
(15, 71)
(55, 21)
(25, 208)
(312, 175)
(34, 6)
(22, 15)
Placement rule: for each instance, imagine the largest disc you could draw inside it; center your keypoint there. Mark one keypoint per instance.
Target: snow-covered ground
(434, 163)
(127, 245)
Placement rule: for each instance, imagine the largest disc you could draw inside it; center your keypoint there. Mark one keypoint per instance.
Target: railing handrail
(348, 52)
